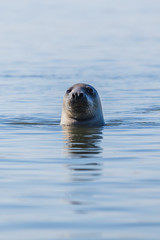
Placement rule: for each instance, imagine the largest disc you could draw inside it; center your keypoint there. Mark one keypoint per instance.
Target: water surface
(66, 183)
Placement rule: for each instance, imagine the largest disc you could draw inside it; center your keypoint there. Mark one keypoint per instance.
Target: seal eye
(90, 91)
(69, 90)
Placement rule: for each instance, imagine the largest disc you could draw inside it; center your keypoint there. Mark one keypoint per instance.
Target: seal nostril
(73, 95)
(80, 95)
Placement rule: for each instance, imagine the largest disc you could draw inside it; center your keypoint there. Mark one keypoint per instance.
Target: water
(63, 183)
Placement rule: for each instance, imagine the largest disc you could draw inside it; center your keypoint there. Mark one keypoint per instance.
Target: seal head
(82, 106)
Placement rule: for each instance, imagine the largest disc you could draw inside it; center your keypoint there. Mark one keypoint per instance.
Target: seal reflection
(82, 145)
(82, 142)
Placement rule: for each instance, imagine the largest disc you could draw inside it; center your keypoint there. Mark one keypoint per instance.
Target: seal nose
(77, 95)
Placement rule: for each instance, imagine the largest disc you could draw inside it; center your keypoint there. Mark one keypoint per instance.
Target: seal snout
(78, 95)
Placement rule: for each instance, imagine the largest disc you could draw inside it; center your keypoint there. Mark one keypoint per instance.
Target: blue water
(96, 183)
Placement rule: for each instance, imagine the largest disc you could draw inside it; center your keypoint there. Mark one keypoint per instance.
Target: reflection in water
(84, 144)
(82, 141)
(84, 172)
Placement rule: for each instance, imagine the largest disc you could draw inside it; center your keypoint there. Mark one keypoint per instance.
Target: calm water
(64, 183)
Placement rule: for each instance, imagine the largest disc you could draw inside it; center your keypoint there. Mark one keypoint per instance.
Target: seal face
(82, 106)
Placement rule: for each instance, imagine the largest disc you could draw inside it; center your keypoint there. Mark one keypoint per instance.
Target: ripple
(26, 120)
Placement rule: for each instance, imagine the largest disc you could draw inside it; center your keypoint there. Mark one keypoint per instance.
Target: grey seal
(82, 106)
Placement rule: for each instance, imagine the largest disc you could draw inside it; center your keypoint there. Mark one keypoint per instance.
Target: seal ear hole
(69, 90)
(90, 91)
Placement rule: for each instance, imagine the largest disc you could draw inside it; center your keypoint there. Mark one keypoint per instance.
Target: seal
(82, 106)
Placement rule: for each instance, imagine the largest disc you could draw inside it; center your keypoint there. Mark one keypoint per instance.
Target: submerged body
(82, 106)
